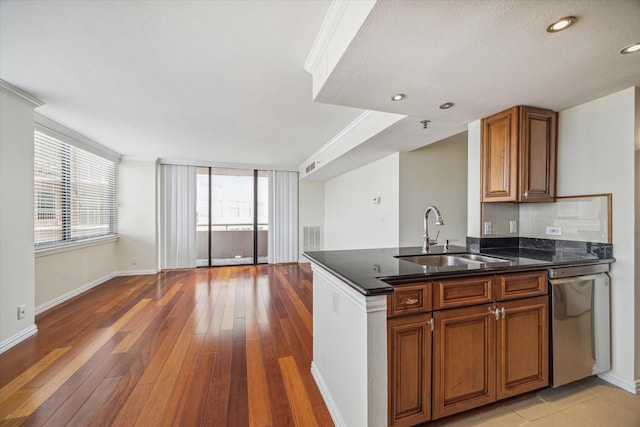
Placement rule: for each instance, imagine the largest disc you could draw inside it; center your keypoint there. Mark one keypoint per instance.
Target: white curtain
(178, 221)
(283, 217)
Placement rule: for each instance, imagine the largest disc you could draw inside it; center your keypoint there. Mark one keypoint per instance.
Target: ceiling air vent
(311, 167)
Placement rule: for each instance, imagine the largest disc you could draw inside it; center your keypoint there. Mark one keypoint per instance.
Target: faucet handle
(434, 241)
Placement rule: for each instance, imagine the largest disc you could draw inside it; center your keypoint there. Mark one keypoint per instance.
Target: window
(74, 193)
(46, 207)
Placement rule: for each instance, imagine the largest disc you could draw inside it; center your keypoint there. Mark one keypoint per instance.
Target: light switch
(487, 228)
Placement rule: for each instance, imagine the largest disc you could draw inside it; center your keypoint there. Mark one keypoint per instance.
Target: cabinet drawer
(409, 299)
(520, 285)
(464, 291)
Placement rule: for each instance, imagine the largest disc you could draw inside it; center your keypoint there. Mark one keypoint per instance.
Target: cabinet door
(409, 361)
(463, 359)
(522, 334)
(538, 136)
(499, 157)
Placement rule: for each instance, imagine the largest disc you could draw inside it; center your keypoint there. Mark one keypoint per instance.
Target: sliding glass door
(232, 210)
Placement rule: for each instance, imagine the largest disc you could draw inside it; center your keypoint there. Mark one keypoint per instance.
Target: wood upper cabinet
(522, 337)
(463, 359)
(518, 155)
(409, 364)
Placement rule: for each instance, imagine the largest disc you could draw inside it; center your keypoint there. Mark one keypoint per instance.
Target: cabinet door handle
(431, 323)
(411, 301)
(501, 312)
(496, 313)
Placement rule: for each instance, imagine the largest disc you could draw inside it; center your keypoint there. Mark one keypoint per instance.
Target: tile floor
(591, 402)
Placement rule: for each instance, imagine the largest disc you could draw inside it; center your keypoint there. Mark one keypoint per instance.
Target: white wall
(354, 386)
(16, 219)
(310, 209)
(473, 179)
(434, 175)
(637, 235)
(62, 274)
(596, 154)
(137, 220)
(352, 220)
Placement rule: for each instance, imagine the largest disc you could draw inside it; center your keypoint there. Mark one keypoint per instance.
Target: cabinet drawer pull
(411, 301)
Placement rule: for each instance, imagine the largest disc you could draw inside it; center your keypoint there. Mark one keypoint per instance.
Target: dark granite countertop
(373, 271)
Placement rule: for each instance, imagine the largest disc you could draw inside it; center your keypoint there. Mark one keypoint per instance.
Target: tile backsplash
(584, 218)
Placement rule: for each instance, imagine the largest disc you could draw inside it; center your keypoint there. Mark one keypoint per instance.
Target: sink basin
(439, 260)
(449, 260)
(485, 259)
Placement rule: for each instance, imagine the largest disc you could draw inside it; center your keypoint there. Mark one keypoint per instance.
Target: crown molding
(355, 123)
(20, 94)
(206, 164)
(63, 133)
(139, 159)
(328, 27)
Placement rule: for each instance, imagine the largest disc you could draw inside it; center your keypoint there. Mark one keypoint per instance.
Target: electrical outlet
(513, 226)
(487, 228)
(554, 231)
(134, 261)
(22, 311)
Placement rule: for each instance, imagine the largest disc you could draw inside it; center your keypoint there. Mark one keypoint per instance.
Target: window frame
(70, 142)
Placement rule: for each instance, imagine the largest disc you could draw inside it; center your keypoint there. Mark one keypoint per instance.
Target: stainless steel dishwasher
(580, 322)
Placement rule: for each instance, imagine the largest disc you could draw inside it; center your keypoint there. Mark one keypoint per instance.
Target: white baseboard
(62, 298)
(18, 338)
(137, 272)
(326, 395)
(33, 329)
(628, 385)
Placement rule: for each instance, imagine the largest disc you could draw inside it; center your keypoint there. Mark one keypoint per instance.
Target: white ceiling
(207, 81)
(484, 56)
(223, 81)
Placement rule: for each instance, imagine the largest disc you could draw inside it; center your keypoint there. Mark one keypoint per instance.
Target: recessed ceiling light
(446, 105)
(632, 48)
(561, 24)
(398, 97)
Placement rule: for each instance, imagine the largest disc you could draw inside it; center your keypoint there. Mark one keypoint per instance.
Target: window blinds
(74, 193)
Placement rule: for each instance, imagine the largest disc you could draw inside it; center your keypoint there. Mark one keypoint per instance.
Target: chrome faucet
(426, 241)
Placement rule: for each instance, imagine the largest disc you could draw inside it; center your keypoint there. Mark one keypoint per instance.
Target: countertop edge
(387, 283)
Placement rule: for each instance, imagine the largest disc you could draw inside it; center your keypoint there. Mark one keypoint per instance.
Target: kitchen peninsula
(364, 299)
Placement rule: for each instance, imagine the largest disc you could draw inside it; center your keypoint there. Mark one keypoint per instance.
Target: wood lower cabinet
(409, 362)
(488, 352)
(463, 359)
(518, 155)
(522, 337)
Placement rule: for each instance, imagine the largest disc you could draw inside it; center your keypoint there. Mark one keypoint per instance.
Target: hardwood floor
(206, 347)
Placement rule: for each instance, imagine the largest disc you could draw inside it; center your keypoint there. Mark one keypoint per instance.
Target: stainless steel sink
(485, 259)
(439, 260)
(449, 260)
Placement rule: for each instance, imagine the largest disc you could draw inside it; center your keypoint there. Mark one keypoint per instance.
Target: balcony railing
(231, 241)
